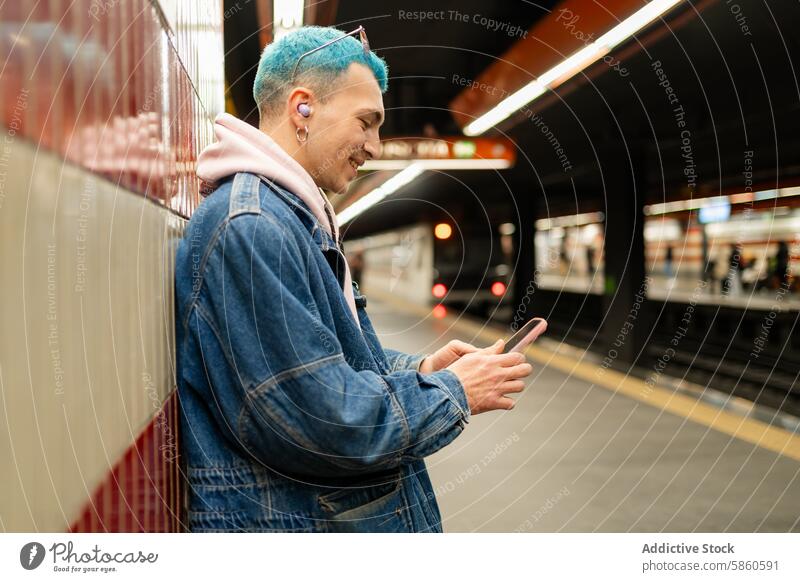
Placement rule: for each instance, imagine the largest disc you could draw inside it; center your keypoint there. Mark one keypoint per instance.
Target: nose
(373, 146)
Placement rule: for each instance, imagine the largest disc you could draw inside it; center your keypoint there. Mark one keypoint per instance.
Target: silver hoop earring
(305, 134)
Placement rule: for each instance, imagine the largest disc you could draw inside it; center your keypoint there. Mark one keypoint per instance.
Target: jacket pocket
(376, 508)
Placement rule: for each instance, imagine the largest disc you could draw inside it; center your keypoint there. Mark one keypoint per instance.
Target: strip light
(410, 170)
(439, 164)
(697, 203)
(570, 66)
(570, 220)
(391, 185)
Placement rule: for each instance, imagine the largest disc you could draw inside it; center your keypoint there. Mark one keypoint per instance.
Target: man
(293, 416)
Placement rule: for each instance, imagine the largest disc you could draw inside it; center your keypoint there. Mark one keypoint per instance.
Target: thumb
(460, 348)
(496, 347)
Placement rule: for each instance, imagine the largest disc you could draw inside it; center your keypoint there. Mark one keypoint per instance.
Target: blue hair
(318, 70)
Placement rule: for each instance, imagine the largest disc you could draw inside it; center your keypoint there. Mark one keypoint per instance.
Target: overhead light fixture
(388, 187)
(442, 231)
(570, 220)
(697, 203)
(439, 164)
(410, 169)
(287, 15)
(570, 66)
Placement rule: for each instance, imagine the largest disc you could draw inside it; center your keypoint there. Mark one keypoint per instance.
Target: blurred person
(563, 256)
(779, 277)
(294, 417)
(590, 267)
(749, 271)
(710, 271)
(732, 283)
(668, 270)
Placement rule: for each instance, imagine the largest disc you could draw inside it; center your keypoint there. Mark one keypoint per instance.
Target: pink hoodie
(240, 147)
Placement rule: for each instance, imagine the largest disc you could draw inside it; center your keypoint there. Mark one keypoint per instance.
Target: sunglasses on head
(362, 35)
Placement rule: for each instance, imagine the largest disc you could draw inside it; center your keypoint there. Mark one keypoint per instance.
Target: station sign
(408, 149)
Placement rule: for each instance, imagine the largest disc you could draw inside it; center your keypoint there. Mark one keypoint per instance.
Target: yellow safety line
(750, 430)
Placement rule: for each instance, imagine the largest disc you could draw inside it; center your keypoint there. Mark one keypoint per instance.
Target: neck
(284, 135)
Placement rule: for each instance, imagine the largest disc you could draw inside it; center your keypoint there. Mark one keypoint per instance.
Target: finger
(506, 360)
(505, 403)
(461, 348)
(518, 371)
(495, 348)
(512, 386)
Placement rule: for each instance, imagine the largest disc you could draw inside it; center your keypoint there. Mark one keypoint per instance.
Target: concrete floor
(576, 457)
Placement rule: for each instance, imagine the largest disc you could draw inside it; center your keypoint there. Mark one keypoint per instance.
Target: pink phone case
(538, 327)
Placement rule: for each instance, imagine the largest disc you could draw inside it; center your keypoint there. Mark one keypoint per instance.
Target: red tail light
(439, 290)
(439, 311)
(498, 288)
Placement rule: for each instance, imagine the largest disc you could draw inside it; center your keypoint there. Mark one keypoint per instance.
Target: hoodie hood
(240, 147)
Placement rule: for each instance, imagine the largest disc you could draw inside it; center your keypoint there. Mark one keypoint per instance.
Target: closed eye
(371, 117)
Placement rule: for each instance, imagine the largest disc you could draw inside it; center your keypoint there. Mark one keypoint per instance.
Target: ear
(300, 96)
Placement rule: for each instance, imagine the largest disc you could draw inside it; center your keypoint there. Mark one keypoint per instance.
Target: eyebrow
(375, 114)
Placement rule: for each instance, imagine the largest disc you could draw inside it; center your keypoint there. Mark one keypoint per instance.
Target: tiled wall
(106, 104)
(117, 87)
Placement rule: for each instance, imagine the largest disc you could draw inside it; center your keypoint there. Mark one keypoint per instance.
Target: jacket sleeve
(298, 404)
(402, 361)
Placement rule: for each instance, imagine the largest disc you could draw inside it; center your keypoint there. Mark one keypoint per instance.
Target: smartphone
(525, 335)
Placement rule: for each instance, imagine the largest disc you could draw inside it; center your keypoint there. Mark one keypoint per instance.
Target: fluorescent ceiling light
(410, 170)
(570, 66)
(505, 108)
(287, 15)
(439, 164)
(570, 220)
(635, 22)
(388, 187)
(696, 203)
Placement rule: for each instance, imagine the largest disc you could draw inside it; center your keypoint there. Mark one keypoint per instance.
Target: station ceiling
(732, 71)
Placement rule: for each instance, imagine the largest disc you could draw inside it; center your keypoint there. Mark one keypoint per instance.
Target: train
(106, 105)
(437, 264)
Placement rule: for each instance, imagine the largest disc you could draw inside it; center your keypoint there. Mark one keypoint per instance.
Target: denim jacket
(293, 417)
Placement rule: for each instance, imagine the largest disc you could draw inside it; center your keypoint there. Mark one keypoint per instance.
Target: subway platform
(589, 449)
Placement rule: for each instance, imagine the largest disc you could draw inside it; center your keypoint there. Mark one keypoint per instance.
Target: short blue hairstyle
(318, 71)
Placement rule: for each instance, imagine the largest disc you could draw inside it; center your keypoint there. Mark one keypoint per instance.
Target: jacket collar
(320, 235)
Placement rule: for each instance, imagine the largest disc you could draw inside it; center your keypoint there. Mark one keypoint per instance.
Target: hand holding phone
(490, 376)
(525, 335)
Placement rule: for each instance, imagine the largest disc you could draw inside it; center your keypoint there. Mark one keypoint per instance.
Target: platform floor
(578, 456)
